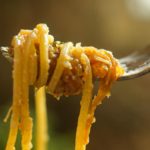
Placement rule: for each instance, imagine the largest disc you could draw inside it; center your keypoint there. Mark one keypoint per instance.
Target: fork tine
(5, 53)
(137, 64)
(138, 72)
(136, 57)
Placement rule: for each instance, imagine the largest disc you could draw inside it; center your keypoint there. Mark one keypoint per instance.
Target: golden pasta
(59, 69)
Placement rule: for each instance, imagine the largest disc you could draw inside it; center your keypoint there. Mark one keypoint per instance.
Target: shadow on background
(123, 121)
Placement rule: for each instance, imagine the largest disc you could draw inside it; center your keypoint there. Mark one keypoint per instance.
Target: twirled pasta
(61, 69)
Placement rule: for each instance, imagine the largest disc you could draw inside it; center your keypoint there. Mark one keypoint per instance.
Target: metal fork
(136, 64)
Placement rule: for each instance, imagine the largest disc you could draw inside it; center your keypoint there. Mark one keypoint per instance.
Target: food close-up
(55, 80)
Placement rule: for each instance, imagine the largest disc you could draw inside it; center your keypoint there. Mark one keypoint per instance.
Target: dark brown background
(123, 121)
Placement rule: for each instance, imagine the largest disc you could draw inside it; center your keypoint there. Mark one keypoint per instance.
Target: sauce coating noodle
(59, 69)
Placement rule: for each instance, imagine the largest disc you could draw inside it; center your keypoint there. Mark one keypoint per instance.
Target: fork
(136, 64)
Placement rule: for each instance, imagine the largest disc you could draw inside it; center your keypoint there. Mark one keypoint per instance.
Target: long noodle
(41, 119)
(17, 75)
(42, 37)
(81, 139)
(60, 69)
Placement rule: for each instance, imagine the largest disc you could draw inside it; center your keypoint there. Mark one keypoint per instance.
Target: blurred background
(122, 26)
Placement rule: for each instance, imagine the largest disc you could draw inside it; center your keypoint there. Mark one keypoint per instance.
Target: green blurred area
(123, 121)
(57, 141)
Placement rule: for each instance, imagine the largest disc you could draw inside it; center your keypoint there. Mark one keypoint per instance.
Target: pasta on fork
(59, 69)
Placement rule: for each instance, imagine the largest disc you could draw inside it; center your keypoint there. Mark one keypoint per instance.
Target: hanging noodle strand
(41, 119)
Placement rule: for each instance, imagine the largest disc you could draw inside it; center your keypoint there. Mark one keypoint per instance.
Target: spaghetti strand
(41, 119)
